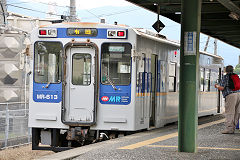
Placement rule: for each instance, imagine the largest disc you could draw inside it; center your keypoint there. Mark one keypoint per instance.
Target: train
(94, 81)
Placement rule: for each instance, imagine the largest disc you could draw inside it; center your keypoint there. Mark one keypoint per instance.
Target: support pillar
(73, 16)
(189, 75)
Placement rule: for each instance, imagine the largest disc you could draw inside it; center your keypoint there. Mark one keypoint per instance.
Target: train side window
(207, 79)
(213, 79)
(172, 77)
(81, 69)
(142, 63)
(143, 72)
(202, 79)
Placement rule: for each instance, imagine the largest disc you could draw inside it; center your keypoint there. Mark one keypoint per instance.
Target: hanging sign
(189, 43)
(158, 26)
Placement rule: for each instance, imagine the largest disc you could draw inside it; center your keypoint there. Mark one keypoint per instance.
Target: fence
(14, 124)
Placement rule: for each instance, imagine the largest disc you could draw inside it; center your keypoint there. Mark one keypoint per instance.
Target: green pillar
(189, 75)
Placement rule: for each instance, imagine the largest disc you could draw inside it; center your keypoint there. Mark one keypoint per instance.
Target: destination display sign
(82, 32)
(116, 48)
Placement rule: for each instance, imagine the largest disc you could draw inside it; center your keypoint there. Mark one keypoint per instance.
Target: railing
(14, 124)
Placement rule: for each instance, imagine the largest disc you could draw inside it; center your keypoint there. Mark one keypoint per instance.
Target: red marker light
(175, 53)
(120, 34)
(42, 32)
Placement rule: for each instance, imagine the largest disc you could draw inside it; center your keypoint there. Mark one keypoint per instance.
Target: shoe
(227, 132)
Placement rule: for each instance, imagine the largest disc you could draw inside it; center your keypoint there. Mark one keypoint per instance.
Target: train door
(153, 88)
(79, 103)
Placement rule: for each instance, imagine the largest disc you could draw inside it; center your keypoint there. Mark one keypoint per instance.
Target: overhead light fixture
(177, 12)
(234, 16)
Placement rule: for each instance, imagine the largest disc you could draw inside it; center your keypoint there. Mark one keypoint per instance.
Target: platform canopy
(219, 18)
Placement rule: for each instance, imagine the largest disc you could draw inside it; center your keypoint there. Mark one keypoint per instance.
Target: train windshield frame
(116, 63)
(48, 62)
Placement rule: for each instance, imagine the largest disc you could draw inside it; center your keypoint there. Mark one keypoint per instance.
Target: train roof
(139, 31)
(84, 24)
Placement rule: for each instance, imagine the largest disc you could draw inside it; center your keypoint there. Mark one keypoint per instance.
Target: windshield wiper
(47, 84)
(111, 82)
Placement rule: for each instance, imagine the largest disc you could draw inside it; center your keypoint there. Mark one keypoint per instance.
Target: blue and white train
(94, 80)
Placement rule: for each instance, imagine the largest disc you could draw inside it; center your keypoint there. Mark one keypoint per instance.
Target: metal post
(73, 17)
(215, 46)
(25, 86)
(29, 134)
(6, 126)
(3, 12)
(189, 75)
(206, 45)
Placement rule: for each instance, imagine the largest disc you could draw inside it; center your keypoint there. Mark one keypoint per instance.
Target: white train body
(94, 77)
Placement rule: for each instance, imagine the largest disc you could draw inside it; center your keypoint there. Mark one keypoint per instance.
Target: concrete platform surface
(162, 144)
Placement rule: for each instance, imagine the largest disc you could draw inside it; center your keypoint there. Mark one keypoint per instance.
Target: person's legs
(230, 103)
(237, 110)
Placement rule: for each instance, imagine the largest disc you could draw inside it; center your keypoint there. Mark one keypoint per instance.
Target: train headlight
(46, 32)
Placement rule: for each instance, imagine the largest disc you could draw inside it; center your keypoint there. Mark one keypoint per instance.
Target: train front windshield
(116, 64)
(47, 62)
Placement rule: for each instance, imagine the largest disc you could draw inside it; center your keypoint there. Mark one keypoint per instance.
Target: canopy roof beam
(230, 6)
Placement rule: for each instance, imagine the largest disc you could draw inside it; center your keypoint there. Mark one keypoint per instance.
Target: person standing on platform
(232, 102)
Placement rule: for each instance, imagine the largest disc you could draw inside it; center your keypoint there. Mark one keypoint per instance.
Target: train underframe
(59, 140)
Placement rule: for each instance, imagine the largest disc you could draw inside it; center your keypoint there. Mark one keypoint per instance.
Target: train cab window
(81, 69)
(172, 77)
(116, 64)
(47, 67)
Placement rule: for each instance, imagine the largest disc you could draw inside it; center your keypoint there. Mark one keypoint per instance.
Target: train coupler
(77, 134)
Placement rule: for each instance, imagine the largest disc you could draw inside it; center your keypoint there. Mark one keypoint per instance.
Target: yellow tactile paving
(150, 141)
(165, 137)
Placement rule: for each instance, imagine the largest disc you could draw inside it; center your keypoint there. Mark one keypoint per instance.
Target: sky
(120, 11)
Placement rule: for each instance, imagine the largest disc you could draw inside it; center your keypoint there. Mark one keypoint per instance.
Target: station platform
(162, 143)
